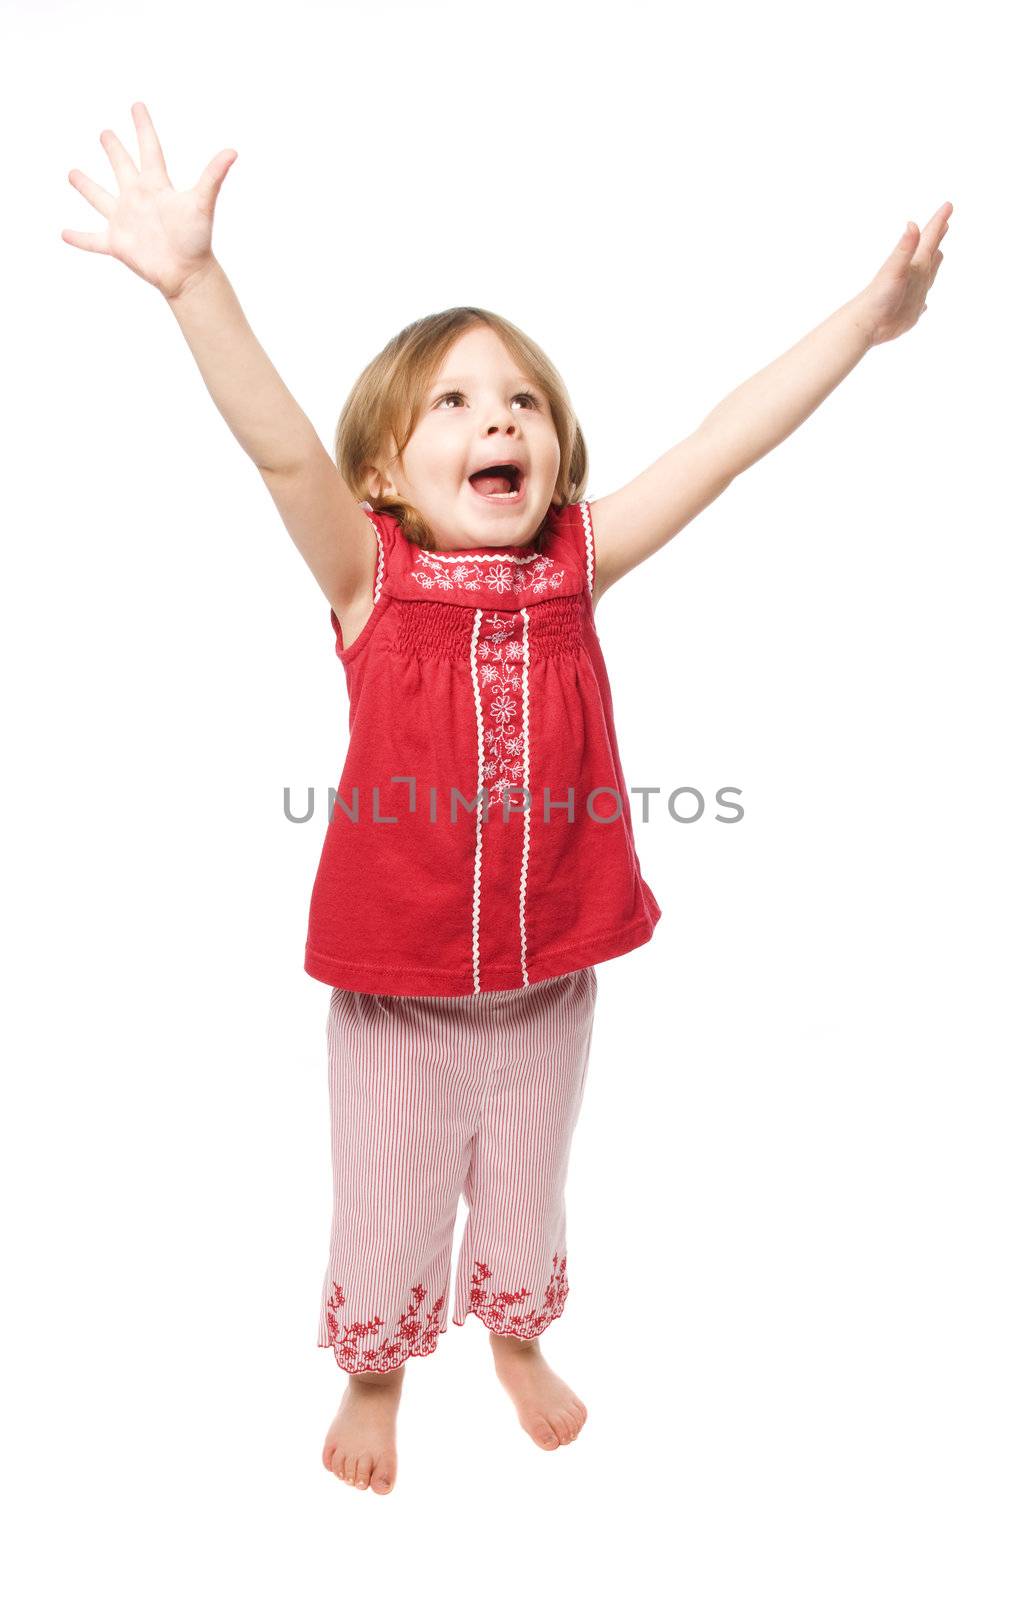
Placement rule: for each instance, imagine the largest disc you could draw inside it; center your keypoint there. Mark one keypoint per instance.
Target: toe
(544, 1434)
(564, 1428)
(339, 1464)
(328, 1452)
(383, 1476)
(363, 1476)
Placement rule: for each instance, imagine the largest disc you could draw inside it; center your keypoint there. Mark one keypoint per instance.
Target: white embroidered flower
(501, 579)
(526, 575)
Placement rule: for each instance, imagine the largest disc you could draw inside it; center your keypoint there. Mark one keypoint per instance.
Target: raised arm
(165, 236)
(634, 522)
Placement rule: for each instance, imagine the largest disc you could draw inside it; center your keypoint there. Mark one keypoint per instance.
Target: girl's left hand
(895, 298)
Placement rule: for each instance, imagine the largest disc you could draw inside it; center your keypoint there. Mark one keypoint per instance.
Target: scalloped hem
(391, 1366)
(507, 1333)
(495, 1309)
(418, 1337)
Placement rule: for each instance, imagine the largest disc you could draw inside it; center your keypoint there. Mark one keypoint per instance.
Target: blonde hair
(389, 397)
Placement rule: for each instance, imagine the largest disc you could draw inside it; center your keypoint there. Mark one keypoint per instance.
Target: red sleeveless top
(477, 678)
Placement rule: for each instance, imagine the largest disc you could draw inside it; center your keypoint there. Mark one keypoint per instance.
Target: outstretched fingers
(124, 168)
(149, 147)
(86, 241)
(932, 236)
(104, 202)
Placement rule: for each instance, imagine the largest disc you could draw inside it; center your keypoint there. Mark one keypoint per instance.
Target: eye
(456, 394)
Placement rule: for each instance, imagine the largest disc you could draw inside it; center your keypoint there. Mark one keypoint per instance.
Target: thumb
(209, 184)
(901, 257)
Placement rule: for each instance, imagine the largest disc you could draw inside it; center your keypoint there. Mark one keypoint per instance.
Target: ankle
(501, 1341)
(376, 1380)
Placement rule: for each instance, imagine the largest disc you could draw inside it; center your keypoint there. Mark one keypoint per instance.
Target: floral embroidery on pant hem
(496, 1309)
(414, 1335)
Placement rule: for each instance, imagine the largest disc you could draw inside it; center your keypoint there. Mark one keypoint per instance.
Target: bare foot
(361, 1445)
(548, 1410)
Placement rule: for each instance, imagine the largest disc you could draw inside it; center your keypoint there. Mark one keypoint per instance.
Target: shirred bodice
(478, 674)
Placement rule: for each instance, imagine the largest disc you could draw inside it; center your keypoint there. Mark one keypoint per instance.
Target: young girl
(479, 861)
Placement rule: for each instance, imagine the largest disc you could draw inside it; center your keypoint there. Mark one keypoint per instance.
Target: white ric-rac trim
(589, 541)
(380, 565)
(476, 896)
(469, 555)
(477, 892)
(526, 845)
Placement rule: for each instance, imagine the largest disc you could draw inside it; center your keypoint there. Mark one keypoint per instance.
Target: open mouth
(503, 484)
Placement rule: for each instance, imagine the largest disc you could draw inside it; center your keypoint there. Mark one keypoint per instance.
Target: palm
(154, 228)
(161, 233)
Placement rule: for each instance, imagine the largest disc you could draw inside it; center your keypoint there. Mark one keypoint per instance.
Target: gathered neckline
(508, 552)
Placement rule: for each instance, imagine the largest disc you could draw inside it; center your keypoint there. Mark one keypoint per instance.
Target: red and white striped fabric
(431, 1097)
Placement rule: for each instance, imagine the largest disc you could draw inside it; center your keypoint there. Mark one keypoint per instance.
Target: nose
(503, 410)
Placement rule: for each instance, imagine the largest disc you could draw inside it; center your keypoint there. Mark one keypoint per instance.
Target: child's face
(478, 412)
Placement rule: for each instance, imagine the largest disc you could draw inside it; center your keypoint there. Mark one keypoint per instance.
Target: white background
(793, 1194)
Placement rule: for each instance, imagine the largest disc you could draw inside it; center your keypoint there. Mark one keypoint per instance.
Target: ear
(378, 481)
(375, 483)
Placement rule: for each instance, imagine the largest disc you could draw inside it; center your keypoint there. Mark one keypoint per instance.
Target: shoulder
(571, 530)
(350, 620)
(387, 528)
(393, 549)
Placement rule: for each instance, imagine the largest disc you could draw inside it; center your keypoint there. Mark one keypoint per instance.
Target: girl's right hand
(162, 235)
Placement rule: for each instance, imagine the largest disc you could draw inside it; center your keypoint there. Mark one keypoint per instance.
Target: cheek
(432, 460)
(442, 454)
(552, 455)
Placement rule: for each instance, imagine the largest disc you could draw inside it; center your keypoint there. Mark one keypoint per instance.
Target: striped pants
(432, 1097)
